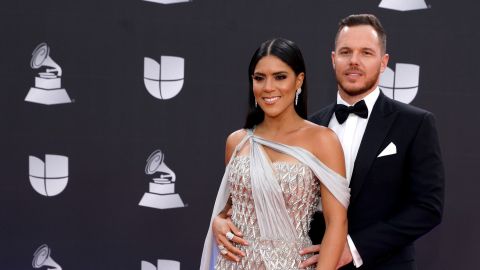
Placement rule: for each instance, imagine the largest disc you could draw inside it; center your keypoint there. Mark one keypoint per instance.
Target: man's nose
(355, 58)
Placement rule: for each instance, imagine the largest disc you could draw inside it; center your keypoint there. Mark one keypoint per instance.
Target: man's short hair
(364, 19)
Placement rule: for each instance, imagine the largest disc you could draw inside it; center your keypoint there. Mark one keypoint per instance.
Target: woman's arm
(222, 223)
(329, 151)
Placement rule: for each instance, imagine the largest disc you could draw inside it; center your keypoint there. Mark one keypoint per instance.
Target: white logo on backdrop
(161, 265)
(401, 84)
(47, 88)
(403, 5)
(168, 1)
(161, 193)
(164, 80)
(42, 258)
(48, 178)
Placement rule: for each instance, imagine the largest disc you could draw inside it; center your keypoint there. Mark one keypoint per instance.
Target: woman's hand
(221, 225)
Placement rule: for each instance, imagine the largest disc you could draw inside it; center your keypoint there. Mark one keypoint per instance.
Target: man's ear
(384, 62)
(333, 59)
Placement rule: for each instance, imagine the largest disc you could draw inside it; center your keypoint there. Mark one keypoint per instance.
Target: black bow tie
(342, 111)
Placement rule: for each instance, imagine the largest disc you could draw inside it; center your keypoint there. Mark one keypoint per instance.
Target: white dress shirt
(350, 134)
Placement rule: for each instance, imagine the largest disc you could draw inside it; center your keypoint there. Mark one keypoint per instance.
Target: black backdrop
(113, 124)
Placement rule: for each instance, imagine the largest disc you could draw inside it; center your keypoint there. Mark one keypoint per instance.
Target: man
(392, 157)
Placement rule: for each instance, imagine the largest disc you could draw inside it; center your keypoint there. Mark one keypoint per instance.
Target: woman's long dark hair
(290, 54)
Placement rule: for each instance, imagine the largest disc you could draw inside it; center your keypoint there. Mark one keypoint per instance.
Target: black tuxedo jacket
(395, 199)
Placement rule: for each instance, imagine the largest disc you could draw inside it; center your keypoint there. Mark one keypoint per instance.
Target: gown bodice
(301, 192)
(272, 204)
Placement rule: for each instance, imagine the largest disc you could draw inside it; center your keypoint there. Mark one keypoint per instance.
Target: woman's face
(274, 85)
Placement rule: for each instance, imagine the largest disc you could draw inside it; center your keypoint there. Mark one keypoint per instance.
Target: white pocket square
(391, 149)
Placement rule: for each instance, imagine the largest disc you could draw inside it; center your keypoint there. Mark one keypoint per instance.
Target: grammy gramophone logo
(403, 5)
(401, 84)
(161, 265)
(161, 193)
(42, 258)
(168, 1)
(47, 89)
(164, 80)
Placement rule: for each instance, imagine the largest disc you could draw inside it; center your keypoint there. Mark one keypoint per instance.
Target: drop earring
(299, 90)
(256, 104)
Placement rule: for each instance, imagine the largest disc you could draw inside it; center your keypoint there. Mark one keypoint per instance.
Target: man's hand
(220, 227)
(345, 258)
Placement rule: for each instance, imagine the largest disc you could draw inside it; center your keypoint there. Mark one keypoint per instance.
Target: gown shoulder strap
(333, 181)
(241, 143)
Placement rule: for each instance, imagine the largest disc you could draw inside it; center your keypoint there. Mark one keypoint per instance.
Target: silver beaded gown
(272, 204)
(301, 191)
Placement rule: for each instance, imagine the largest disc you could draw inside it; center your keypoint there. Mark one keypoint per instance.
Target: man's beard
(369, 84)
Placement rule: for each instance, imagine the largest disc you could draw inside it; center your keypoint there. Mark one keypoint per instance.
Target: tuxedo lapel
(324, 118)
(381, 119)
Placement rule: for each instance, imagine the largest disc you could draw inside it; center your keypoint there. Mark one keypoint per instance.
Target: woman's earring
(299, 90)
(256, 104)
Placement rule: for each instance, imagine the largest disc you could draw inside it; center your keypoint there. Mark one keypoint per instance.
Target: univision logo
(401, 84)
(48, 178)
(403, 5)
(161, 265)
(167, 1)
(164, 80)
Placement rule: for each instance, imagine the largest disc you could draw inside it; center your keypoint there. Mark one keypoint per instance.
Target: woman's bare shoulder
(232, 141)
(322, 141)
(235, 137)
(319, 135)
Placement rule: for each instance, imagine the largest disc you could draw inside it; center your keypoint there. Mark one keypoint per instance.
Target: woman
(278, 168)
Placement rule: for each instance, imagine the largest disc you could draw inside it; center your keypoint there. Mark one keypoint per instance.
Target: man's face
(358, 60)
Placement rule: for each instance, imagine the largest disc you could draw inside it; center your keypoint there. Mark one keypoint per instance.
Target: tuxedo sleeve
(423, 205)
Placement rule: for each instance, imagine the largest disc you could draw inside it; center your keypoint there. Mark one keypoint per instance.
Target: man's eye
(344, 52)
